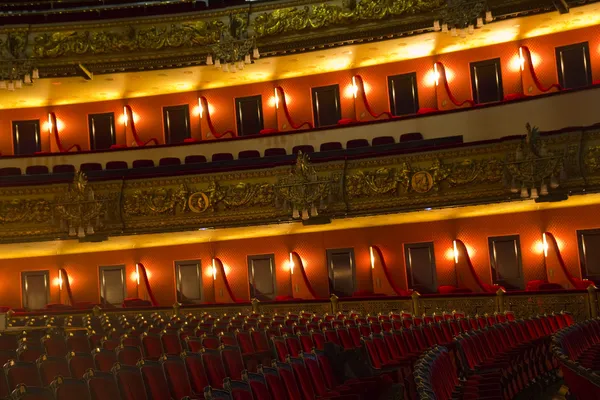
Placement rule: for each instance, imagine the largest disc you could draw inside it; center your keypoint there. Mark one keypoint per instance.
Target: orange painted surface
(298, 90)
(474, 232)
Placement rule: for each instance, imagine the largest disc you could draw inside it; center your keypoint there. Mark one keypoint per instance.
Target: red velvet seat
(213, 365)
(196, 371)
(177, 377)
(151, 346)
(55, 345)
(154, 379)
(115, 165)
(409, 137)
(51, 367)
(383, 140)
(63, 169)
(70, 389)
(233, 361)
(79, 363)
(88, 167)
(286, 373)
(248, 154)
(330, 146)
(8, 343)
(36, 170)
(258, 385)
(195, 159)
(222, 157)
(104, 359)
(130, 382)
(10, 171)
(142, 164)
(169, 161)
(102, 385)
(29, 352)
(304, 148)
(109, 343)
(275, 152)
(24, 392)
(357, 143)
(78, 342)
(171, 343)
(21, 372)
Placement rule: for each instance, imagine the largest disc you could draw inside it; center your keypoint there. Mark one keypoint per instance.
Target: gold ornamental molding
(309, 190)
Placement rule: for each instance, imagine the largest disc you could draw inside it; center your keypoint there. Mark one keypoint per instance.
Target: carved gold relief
(592, 160)
(25, 211)
(77, 43)
(157, 201)
(295, 19)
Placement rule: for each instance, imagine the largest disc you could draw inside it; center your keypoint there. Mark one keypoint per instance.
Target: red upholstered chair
(29, 353)
(8, 342)
(357, 143)
(196, 372)
(169, 161)
(274, 382)
(24, 392)
(55, 345)
(130, 382)
(128, 355)
(273, 152)
(171, 343)
(233, 361)
(154, 379)
(330, 146)
(131, 340)
(222, 157)
(88, 167)
(78, 342)
(70, 389)
(10, 171)
(304, 148)
(286, 373)
(409, 137)
(258, 385)
(248, 154)
(104, 359)
(142, 164)
(195, 159)
(259, 338)
(383, 140)
(51, 367)
(36, 170)
(110, 343)
(116, 165)
(79, 363)
(216, 394)
(151, 346)
(293, 345)
(213, 365)
(102, 385)
(177, 377)
(21, 372)
(211, 341)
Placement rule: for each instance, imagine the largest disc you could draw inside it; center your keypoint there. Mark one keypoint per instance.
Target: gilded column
(334, 304)
(255, 306)
(415, 299)
(500, 300)
(176, 307)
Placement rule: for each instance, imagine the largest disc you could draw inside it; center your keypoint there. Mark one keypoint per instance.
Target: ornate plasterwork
(336, 189)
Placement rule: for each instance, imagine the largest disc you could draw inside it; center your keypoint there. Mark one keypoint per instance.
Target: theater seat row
(248, 157)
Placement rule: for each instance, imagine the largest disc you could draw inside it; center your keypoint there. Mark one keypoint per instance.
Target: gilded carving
(25, 211)
(524, 306)
(77, 43)
(382, 181)
(158, 201)
(239, 195)
(421, 182)
(296, 19)
(592, 160)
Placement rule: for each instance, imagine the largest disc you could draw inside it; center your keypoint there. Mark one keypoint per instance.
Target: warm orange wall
(474, 232)
(222, 100)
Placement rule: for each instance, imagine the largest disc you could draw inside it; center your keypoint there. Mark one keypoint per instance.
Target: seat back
(21, 372)
(154, 379)
(104, 359)
(171, 343)
(177, 376)
(24, 392)
(79, 363)
(233, 361)
(215, 370)
(151, 346)
(128, 355)
(258, 384)
(289, 381)
(130, 382)
(274, 383)
(70, 389)
(196, 372)
(51, 367)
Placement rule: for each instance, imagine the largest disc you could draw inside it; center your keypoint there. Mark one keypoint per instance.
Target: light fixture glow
(137, 274)
(545, 244)
(59, 281)
(521, 59)
(125, 118)
(436, 74)
(354, 87)
(455, 251)
(214, 270)
(277, 101)
(292, 263)
(372, 257)
(49, 126)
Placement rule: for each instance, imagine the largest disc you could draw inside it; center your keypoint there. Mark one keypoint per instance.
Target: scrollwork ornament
(25, 211)
(159, 201)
